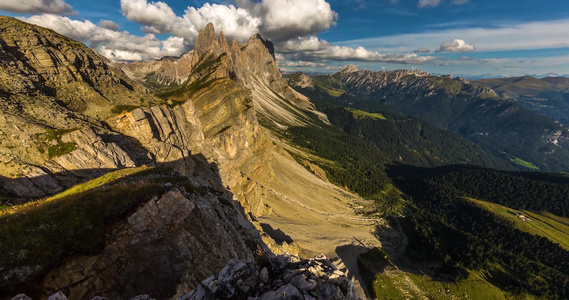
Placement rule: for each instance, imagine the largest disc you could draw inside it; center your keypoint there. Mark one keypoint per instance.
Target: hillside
(547, 96)
(402, 139)
(500, 127)
(459, 236)
(547, 225)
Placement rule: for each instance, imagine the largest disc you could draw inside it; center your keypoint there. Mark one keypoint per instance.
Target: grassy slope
(40, 233)
(402, 285)
(360, 114)
(523, 163)
(547, 225)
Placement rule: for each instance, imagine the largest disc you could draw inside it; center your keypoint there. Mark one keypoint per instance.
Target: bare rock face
(165, 72)
(50, 86)
(165, 247)
(282, 277)
(36, 61)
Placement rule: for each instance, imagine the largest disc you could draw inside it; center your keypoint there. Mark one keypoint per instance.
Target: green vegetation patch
(401, 285)
(552, 227)
(445, 227)
(41, 233)
(360, 114)
(51, 139)
(523, 163)
(358, 165)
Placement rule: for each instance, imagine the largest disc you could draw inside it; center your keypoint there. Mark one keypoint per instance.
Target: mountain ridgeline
(547, 96)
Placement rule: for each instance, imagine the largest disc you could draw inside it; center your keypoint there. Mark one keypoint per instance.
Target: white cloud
(303, 64)
(59, 7)
(343, 53)
(236, 23)
(428, 3)
(155, 15)
(313, 49)
(310, 43)
(108, 24)
(113, 44)
(277, 20)
(286, 19)
(521, 36)
(457, 45)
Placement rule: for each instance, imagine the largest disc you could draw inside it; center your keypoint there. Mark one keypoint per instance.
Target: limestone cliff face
(250, 65)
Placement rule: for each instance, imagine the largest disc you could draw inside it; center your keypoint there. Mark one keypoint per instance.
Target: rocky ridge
(168, 71)
(280, 277)
(370, 82)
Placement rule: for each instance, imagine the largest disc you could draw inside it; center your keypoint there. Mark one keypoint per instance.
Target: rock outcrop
(164, 248)
(282, 277)
(166, 72)
(269, 278)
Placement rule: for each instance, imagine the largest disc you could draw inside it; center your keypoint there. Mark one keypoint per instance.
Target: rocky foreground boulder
(281, 277)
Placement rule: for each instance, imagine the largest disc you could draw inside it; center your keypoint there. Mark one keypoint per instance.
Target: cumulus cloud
(310, 43)
(422, 50)
(58, 7)
(303, 64)
(314, 49)
(291, 24)
(277, 20)
(286, 19)
(155, 15)
(343, 53)
(456, 45)
(108, 24)
(111, 43)
(236, 23)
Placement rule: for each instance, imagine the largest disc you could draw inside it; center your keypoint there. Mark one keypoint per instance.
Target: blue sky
(461, 37)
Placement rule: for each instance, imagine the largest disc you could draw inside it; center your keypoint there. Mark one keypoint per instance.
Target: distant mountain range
(547, 96)
(494, 76)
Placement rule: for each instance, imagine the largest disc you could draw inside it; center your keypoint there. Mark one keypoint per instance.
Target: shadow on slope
(46, 234)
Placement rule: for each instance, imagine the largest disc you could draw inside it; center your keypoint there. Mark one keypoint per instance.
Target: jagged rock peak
(349, 69)
(205, 40)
